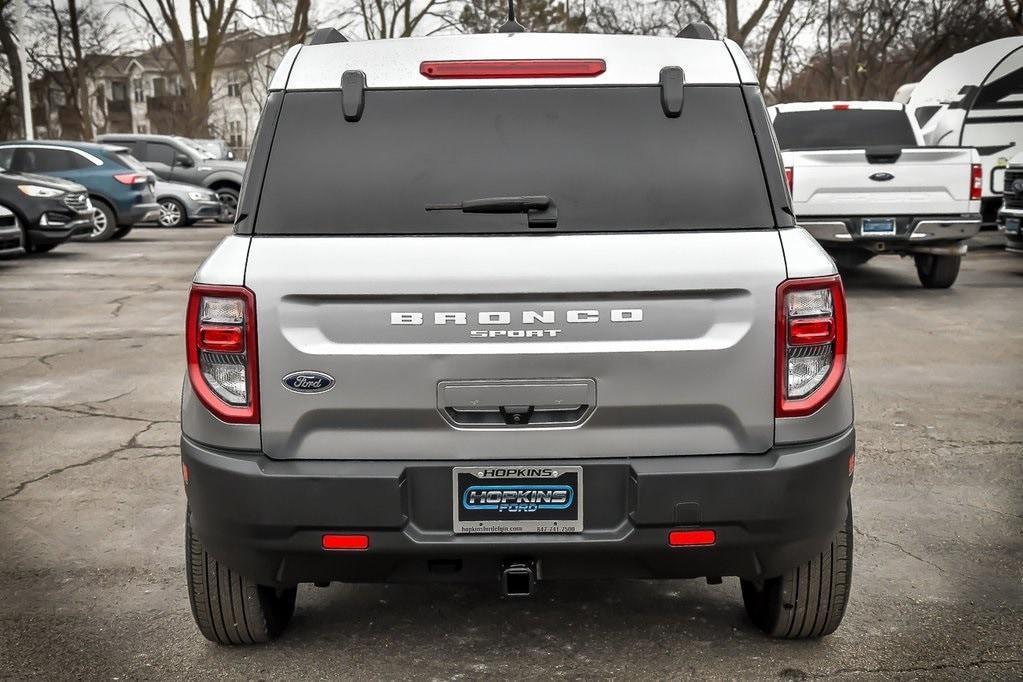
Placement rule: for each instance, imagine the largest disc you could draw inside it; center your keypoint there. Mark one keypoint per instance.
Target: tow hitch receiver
(518, 579)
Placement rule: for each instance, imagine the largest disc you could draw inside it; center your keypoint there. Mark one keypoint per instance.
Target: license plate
(518, 499)
(1012, 225)
(876, 226)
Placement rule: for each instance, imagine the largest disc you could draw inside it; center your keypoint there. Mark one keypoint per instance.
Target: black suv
(46, 212)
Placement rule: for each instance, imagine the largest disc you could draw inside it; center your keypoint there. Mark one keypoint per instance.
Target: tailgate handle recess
(516, 403)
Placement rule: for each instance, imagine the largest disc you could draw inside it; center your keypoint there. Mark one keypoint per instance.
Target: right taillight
(810, 345)
(220, 338)
(976, 182)
(789, 177)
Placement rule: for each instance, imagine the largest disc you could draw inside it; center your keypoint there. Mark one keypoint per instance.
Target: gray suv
(535, 308)
(181, 160)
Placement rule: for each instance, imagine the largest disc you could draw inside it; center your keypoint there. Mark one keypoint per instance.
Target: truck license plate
(877, 226)
(518, 499)
(1012, 225)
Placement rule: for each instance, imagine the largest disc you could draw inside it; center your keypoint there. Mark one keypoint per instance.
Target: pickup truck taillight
(789, 177)
(811, 344)
(976, 182)
(220, 344)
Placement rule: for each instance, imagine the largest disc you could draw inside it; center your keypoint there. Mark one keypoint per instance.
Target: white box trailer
(975, 99)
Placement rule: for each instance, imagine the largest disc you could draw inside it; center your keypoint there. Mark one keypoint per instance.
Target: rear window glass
(608, 158)
(843, 129)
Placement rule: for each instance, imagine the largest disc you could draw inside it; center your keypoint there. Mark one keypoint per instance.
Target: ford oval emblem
(308, 382)
(882, 177)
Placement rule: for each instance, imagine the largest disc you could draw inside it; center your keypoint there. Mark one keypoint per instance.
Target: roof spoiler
(698, 31)
(326, 36)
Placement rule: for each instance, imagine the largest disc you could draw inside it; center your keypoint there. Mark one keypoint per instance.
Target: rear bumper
(265, 518)
(138, 213)
(912, 232)
(10, 241)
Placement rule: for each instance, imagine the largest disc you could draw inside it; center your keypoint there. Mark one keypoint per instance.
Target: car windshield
(607, 158)
(843, 129)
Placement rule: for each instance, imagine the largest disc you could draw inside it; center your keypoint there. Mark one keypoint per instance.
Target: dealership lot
(91, 507)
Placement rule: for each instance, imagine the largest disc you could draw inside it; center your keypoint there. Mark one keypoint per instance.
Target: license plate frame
(878, 227)
(556, 491)
(1012, 225)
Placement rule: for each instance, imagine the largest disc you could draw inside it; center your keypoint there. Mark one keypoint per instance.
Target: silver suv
(516, 308)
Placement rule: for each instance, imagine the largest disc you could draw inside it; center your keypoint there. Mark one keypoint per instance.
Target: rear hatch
(641, 322)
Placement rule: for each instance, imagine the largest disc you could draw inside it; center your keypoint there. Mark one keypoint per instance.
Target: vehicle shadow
(562, 614)
(869, 277)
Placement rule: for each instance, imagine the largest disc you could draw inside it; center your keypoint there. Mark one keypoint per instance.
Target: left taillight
(976, 182)
(810, 345)
(789, 178)
(131, 178)
(220, 344)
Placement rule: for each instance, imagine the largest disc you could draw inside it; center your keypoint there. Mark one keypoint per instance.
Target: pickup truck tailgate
(881, 182)
(611, 345)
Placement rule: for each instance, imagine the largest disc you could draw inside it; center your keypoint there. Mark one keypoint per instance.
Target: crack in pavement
(132, 444)
(904, 551)
(920, 669)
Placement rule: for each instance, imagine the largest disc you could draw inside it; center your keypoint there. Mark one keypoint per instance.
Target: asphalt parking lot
(91, 506)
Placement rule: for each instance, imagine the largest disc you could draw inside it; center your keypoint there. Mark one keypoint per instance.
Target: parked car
(120, 188)
(554, 319)
(182, 204)
(41, 212)
(215, 149)
(975, 99)
(12, 239)
(176, 158)
(1010, 216)
(863, 185)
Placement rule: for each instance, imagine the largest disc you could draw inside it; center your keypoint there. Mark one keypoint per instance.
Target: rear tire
(937, 272)
(809, 600)
(227, 607)
(121, 232)
(40, 248)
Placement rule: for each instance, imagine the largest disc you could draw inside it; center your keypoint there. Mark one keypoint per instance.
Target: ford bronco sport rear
(535, 308)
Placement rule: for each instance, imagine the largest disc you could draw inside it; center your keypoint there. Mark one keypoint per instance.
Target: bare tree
(9, 47)
(1014, 11)
(193, 45)
(400, 18)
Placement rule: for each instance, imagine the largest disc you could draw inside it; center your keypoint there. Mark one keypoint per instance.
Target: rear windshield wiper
(540, 210)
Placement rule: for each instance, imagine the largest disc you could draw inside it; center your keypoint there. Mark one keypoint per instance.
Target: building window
(119, 91)
(234, 134)
(138, 91)
(159, 87)
(234, 88)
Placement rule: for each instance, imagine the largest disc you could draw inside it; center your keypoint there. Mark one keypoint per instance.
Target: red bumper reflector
(691, 538)
(839, 107)
(803, 332)
(514, 68)
(334, 541)
(227, 339)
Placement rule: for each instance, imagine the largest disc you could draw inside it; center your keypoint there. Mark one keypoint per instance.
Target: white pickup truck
(863, 184)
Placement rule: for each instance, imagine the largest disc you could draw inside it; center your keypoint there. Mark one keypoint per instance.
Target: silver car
(182, 205)
(532, 307)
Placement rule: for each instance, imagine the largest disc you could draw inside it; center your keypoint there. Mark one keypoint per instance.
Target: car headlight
(39, 191)
(201, 196)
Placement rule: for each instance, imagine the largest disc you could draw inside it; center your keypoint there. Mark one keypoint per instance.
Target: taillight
(810, 345)
(840, 107)
(131, 178)
(514, 68)
(220, 344)
(976, 182)
(789, 177)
